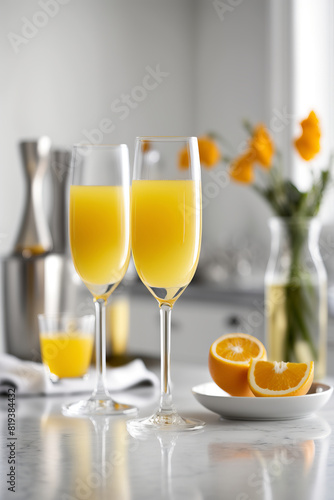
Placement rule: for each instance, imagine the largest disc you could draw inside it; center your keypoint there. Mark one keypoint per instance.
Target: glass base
(98, 407)
(159, 421)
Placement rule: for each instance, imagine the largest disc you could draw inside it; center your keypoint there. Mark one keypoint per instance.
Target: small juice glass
(66, 344)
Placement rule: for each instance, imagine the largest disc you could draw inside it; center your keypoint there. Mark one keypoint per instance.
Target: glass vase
(296, 294)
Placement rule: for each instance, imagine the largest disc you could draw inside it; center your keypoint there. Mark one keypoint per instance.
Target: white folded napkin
(30, 378)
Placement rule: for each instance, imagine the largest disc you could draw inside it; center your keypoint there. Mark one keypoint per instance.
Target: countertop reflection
(64, 458)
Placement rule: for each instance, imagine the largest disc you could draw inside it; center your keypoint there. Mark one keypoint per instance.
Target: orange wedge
(273, 378)
(229, 360)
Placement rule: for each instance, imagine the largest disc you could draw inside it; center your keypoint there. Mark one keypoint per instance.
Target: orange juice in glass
(165, 236)
(66, 344)
(99, 236)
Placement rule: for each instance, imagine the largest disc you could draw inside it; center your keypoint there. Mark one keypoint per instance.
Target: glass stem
(100, 391)
(166, 405)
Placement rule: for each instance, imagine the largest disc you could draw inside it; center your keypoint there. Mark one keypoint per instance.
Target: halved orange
(229, 359)
(276, 378)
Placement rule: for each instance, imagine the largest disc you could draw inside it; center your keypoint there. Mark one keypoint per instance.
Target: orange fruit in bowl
(276, 378)
(229, 359)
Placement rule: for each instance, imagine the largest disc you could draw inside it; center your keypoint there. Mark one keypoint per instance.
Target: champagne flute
(166, 223)
(100, 245)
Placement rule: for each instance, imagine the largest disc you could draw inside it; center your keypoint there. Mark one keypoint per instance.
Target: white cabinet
(199, 317)
(195, 324)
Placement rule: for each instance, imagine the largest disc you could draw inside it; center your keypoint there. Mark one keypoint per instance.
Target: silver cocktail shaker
(60, 169)
(22, 298)
(33, 276)
(34, 237)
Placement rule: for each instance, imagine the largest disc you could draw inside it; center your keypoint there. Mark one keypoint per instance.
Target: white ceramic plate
(271, 408)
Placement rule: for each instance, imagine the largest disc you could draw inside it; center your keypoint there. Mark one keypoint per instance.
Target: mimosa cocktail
(99, 236)
(166, 226)
(99, 224)
(165, 236)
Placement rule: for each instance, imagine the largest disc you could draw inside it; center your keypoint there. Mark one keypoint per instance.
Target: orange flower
(184, 159)
(209, 154)
(242, 168)
(262, 146)
(308, 144)
(145, 146)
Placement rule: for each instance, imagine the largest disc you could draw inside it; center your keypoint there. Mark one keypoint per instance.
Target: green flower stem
(295, 308)
(297, 301)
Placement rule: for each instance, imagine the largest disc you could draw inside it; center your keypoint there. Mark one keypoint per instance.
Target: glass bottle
(296, 294)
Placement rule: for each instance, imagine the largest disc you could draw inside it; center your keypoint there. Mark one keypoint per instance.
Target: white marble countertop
(63, 458)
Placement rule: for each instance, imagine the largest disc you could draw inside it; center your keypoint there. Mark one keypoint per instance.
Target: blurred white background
(109, 70)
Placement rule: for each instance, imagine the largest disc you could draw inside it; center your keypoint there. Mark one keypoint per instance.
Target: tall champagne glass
(166, 224)
(100, 245)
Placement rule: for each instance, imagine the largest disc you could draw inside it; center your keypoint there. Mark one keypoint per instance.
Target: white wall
(65, 78)
(231, 84)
